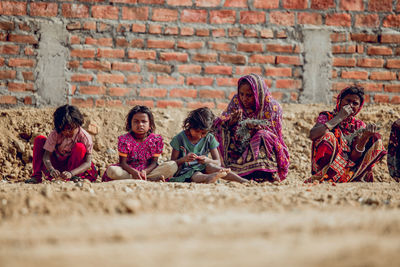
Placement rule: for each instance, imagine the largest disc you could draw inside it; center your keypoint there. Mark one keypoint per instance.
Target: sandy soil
(135, 223)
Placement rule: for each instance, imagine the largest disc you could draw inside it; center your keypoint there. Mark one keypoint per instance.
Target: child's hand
(54, 173)
(202, 159)
(143, 175)
(66, 175)
(190, 157)
(137, 175)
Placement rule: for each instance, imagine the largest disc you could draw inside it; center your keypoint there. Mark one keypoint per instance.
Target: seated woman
(250, 133)
(393, 158)
(344, 149)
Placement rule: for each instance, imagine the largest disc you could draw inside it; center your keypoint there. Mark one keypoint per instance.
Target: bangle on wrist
(359, 151)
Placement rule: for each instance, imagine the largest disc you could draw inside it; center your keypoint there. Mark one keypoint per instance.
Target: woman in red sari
(344, 149)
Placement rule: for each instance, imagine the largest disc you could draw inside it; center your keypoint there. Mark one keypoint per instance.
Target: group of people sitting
(244, 143)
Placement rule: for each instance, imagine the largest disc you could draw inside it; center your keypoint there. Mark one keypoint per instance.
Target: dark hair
(67, 115)
(139, 109)
(353, 90)
(199, 119)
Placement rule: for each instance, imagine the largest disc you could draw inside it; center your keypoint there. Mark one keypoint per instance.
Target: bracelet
(359, 151)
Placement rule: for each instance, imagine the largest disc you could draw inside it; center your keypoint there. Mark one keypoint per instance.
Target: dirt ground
(136, 223)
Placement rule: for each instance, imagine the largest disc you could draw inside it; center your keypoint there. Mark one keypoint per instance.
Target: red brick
(295, 4)
(7, 25)
(381, 98)
(248, 70)
(43, 9)
(125, 66)
(363, 37)
(343, 49)
(75, 11)
(134, 79)
(379, 50)
(99, 42)
(147, 103)
(28, 39)
(250, 33)
(158, 68)
(220, 46)
(252, 17)
(193, 16)
(156, 2)
(24, 27)
(165, 15)
(105, 12)
(88, 103)
(372, 87)
(370, 62)
(202, 32)
(334, 74)
(173, 56)
(338, 37)
(72, 26)
(137, 43)
(117, 91)
(110, 78)
(390, 38)
(236, 3)
(262, 59)
(92, 90)
(234, 32)
(309, 18)
(289, 60)
(380, 5)
(189, 69)
(7, 74)
(343, 20)
(29, 51)
(393, 63)
(9, 49)
(282, 18)
(352, 5)
(322, 4)
(392, 88)
(28, 75)
(211, 94)
(397, 51)
(171, 31)
(245, 47)
(223, 70)
(207, 3)
(187, 31)
(205, 57)
(20, 87)
(111, 53)
(155, 29)
(81, 77)
(97, 65)
(278, 48)
(344, 62)
(28, 100)
(278, 72)
(12, 8)
(358, 75)
(135, 13)
(192, 93)
(141, 28)
(222, 106)
(363, 20)
(108, 103)
(392, 21)
(266, 33)
(83, 53)
(142, 54)
(383, 75)
(395, 99)
(190, 45)
(169, 80)
(199, 81)
(21, 62)
(73, 64)
(153, 92)
(179, 2)
(288, 84)
(195, 105)
(169, 103)
(227, 81)
(281, 34)
(222, 16)
(360, 49)
(89, 25)
(233, 59)
(160, 44)
(74, 39)
(8, 99)
(270, 4)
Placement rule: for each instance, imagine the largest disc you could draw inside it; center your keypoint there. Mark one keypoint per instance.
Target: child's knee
(116, 173)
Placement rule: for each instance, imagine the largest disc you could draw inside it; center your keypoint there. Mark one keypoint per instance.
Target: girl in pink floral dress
(139, 150)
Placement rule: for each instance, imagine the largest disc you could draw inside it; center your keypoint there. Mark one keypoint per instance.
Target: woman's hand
(66, 175)
(137, 175)
(190, 157)
(202, 159)
(344, 112)
(235, 117)
(54, 173)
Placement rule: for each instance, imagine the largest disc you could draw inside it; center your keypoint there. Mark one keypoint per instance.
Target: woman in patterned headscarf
(344, 149)
(250, 133)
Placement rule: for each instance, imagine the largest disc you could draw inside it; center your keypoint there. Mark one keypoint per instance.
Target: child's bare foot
(213, 177)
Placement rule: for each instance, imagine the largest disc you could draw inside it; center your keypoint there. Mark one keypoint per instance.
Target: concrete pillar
(51, 82)
(317, 67)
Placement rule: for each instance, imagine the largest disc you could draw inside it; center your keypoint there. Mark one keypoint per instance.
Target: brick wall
(190, 53)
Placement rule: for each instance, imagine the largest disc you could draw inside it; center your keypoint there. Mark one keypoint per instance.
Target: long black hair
(67, 115)
(139, 109)
(199, 119)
